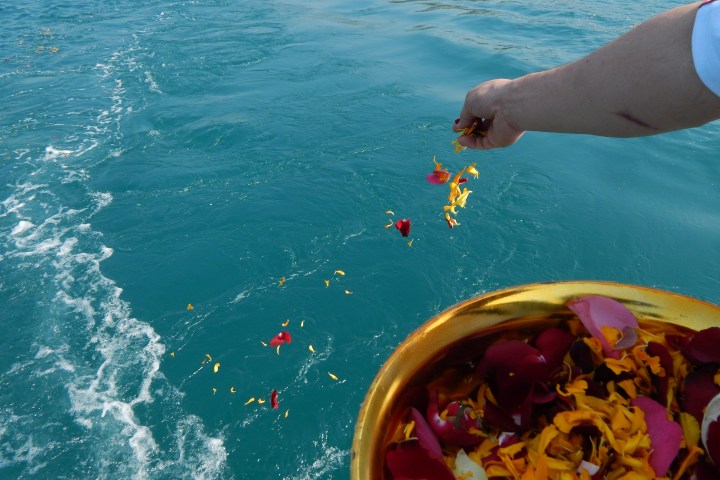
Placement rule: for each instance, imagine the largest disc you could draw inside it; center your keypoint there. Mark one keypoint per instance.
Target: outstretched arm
(642, 83)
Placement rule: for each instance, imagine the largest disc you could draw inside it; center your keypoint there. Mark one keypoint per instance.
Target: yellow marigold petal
(310, 347)
(263, 343)
(327, 283)
(472, 170)
(172, 354)
(348, 292)
(409, 429)
(619, 366)
(260, 401)
(461, 199)
(690, 428)
(287, 412)
(286, 323)
(214, 390)
(612, 335)
(232, 390)
(250, 400)
(339, 272)
(302, 323)
(282, 280)
(277, 350)
(207, 355)
(565, 421)
(390, 212)
(190, 307)
(334, 377)
(410, 243)
(216, 367)
(389, 224)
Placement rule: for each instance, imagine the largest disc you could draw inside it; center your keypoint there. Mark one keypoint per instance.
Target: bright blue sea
(163, 153)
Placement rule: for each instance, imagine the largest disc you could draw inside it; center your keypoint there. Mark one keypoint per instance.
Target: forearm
(642, 83)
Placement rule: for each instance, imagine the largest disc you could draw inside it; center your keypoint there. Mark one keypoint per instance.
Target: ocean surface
(164, 165)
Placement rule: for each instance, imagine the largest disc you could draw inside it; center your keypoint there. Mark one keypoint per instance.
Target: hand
(486, 106)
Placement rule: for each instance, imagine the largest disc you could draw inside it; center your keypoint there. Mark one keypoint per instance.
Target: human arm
(642, 83)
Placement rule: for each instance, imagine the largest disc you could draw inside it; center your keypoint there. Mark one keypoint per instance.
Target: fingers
(499, 134)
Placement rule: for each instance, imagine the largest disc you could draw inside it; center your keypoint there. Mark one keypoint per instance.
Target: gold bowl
(456, 335)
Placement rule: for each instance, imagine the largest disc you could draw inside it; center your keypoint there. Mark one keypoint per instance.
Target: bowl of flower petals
(565, 380)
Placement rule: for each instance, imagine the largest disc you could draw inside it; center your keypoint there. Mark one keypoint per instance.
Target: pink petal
(274, 400)
(438, 177)
(665, 435)
(596, 312)
(404, 226)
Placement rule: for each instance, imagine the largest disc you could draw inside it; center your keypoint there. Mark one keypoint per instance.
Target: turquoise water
(158, 154)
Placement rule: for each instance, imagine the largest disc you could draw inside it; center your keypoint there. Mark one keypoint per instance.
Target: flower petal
(665, 435)
(597, 311)
(404, 226)
(421, 458)
(274, 399)
(280, 338)
(456, 428)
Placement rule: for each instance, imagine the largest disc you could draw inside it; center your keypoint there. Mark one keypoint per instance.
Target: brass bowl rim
(376, 404)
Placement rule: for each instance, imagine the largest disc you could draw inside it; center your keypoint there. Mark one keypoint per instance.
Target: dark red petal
(498, 418)
(665, 435)
(554, 343)
(703, 346)
(462, 180)
(705, 471)
(596, 312)
(425, 435)
(712, 443)
(455, 429)
(410, 461)
(507, 358)
(699, 388)
(661, 383)
(273, 399)
(404, 226)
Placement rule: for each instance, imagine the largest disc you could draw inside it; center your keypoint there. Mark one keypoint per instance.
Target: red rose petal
(703, 346)
(699, 388)
(596, 312)
(274, 400)
(280, 338)
(712, 442)
(454, 430)
(404, 226)
(421, 459)
(554, 343)
(665, 435)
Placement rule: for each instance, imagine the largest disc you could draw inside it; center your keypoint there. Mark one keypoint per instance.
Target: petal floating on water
(333, 376)
(286, 323)
(274, 399)
(404, 226)
(280, 338)
(250, 400)
(216, 367)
